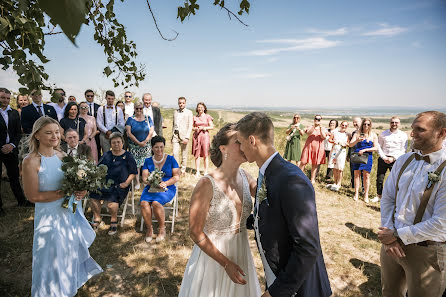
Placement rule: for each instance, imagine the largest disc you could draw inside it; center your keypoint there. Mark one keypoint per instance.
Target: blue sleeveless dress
(365, 144)
(61, 261)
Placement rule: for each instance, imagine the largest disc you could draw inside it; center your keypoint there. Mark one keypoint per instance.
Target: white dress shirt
(110, 119)
(129, 109)
(180, 115)
(147, 111)
(412, 184)
(392, 144)
(269, 274)
(5, 116)
(72, 150)
(59, 110)
(40, 107)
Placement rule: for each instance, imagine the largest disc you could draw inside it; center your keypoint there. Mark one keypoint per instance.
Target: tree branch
(156, 25)
(234, 15)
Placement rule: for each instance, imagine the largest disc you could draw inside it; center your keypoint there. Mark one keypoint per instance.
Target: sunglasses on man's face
(394, 122)
(317, 119)
(89, 96)
(138, 108)
(127, 96)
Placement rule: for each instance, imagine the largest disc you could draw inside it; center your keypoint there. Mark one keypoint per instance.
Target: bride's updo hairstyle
(221, 138)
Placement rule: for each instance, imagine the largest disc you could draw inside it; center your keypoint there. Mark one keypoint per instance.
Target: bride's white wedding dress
(203, 276)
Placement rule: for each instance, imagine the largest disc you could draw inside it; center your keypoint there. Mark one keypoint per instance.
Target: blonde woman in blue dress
(221, 262)
(61, 261)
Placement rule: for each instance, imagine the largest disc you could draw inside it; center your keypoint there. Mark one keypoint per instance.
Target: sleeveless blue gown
(61, 260)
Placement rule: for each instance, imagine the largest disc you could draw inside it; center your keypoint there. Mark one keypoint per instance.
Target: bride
(221, 262)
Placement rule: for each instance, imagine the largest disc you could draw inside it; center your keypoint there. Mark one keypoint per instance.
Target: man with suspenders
(413, 215)
(110, 119)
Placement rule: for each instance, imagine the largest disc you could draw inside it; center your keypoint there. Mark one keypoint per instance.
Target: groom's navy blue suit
(289, 233)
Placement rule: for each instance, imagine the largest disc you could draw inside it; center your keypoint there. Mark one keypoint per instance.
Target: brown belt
(430, 242)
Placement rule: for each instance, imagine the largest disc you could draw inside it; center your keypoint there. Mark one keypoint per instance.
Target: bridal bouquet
(81, 174)
(154, 180)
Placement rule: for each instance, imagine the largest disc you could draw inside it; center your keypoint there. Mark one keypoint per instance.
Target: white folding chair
(130, 195)
(172, 207)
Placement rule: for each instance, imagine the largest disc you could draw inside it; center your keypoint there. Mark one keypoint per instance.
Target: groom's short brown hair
(258, 124)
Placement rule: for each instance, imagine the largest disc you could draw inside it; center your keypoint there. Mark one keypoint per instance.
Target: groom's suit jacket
(289, 233)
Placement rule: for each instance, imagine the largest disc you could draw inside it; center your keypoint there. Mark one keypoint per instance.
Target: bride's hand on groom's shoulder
(235, 273)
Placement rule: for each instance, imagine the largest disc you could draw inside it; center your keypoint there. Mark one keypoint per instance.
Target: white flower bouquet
(154, 180)
(81, 174)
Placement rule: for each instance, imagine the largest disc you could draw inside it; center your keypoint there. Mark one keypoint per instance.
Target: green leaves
(68, 14)
(191, 7)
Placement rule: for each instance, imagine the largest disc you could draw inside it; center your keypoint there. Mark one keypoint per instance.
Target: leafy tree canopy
(23, 29)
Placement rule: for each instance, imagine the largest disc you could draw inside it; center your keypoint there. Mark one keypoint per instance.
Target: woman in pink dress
(202, 123)
(90, 128)
(314, 152)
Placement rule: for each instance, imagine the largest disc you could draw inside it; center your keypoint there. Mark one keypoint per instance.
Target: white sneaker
(137, 186)
(375, 199)
(335, 188)
(329, 186)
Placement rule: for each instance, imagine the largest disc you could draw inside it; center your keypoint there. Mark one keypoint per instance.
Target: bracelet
(201, 240)
(226, 265)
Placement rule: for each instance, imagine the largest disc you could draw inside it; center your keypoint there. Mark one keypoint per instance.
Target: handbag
(359, 159)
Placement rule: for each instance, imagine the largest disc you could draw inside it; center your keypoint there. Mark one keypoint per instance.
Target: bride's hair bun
(221, 138)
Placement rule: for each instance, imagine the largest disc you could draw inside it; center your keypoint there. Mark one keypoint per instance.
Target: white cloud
(386, 30)
(254, 75)
(297, 45)
(336, 32)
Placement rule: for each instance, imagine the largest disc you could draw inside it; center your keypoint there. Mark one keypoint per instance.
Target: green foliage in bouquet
(155, 178)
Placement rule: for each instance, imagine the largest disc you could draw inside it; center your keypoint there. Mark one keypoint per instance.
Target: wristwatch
(395, 233)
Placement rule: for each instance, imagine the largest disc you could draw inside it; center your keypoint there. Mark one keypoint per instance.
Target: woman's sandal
(148, 237)
(113, 229)
(161, 235)
(95, 225)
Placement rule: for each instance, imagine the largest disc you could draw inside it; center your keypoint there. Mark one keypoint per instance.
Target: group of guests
(335, 145)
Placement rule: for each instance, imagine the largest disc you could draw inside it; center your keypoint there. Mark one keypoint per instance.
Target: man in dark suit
(37, 109)
(285, 219)
(72, 146)
(10, 134)
(153, 112)
(93, 111)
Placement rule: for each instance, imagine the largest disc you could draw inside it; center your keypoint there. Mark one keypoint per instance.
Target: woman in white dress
(61, 261)
(221, 262)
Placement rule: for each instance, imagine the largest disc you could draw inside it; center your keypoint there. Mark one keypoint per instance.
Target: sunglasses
(138, 108)
(344, 126)
(296, 117)
(366, 124)
(394, 122)
(317, 119)
(127, 96)
(84, 107)
(89, 96)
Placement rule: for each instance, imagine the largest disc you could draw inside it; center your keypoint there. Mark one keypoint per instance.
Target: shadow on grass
(375, 208)
(367, 233)
(372, 287)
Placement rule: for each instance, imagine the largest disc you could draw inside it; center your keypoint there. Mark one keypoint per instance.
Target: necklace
(158, 162)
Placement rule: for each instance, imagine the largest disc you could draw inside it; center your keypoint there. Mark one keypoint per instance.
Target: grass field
(134, 268)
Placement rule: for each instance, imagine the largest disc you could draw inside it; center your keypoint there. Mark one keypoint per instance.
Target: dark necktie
(419, 157)
(70, 153)
(39, 110)
(91, 110)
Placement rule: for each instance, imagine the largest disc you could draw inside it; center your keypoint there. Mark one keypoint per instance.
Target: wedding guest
(356, 125)
(332, 126)
(59, 105)
(392, 144)
(71, 120)
(91, 129)
(220, 205)
(72, 146)
(293, 150)
(37, 109)
(181, 130)
(22, 101)
(313, 151)
(364, 142)
(339, 138)
(129, 105)
(121, 105)
(157, 104)
(121, 170)
(61, 260)
(109, 119)
(93, 111)
(153, 112)
(139, 132)
(413, 216)
(155, 201)
(10, 134)
(71, 98)
(202, 123)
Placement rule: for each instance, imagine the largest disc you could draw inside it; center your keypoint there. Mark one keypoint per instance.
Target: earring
(226, 156)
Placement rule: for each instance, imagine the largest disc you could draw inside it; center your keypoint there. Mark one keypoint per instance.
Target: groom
(285, 219)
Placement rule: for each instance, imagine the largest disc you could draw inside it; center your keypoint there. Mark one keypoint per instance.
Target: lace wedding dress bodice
(222, 216)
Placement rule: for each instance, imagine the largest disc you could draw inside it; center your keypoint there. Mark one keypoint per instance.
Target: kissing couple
(284, 221)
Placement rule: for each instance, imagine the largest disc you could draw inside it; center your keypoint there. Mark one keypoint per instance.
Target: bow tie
(180, 110)
(419, 157)
(109, 107)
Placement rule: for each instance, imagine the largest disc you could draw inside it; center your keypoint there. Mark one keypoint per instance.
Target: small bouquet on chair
(81, 174)
(154, 180)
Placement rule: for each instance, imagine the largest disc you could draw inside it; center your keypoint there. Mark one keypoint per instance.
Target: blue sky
(301, 54)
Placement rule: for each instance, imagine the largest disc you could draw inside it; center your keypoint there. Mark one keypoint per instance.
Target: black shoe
(2, 212)
(26, 203)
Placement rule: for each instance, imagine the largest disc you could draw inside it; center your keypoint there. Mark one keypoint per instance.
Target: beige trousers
(105, 143)
(421, 273)
(179, 148)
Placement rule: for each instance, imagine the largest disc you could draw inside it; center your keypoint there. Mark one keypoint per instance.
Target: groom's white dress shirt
(269, 274)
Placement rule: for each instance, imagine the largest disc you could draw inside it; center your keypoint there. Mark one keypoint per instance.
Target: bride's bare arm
(30, 179)
(199, 207)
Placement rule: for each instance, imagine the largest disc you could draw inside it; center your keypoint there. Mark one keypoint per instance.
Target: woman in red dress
(202, 123)
(313, 151)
